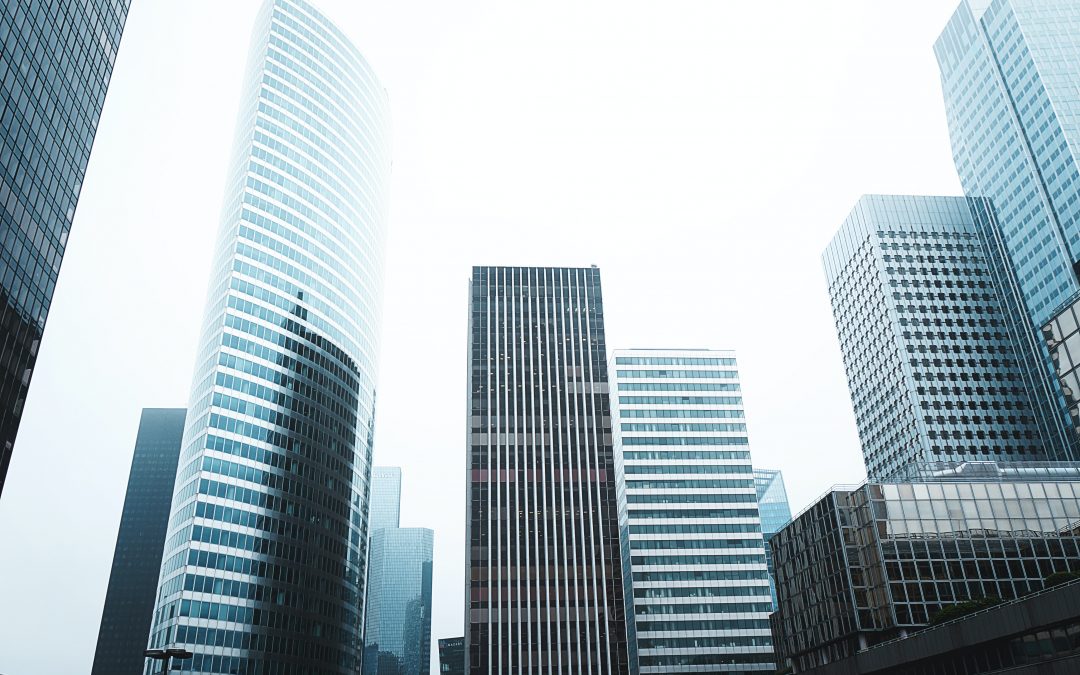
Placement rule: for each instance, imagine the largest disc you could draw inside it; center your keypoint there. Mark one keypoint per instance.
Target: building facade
(397, 624)
(1007, 73)
(129, 600)
(775, 514)
(452, 656)
(1062, 336)
(544, 586)
(1038, 634)
(56, 60)
(874, 562)
(263, 569)
(699, 585)
(932, 364)
(385, 509)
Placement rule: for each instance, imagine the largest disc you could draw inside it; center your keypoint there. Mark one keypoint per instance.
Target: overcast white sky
(701, 153)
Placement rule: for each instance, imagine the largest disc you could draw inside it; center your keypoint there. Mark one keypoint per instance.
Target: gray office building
(385, 498)
(56, 59)
(877, 561)
(129, 601)
(544, 587)
(397, 628)
(1008, 74)
(932, 362)
(264, 565)
(775, 513)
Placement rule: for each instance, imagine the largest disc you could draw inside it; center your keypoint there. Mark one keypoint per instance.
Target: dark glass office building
(452, 656)
(544, 588)
(56, 58)
(129, 602)
(874, 562)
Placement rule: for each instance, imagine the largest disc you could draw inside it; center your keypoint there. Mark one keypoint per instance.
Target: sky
(701, 153)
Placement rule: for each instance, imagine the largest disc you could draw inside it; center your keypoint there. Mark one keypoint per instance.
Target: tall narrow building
(775, 514)
(397, 620)
(263, 569)
(397, 624)
(544, 587)
(385, 510)
(931, 361)
(129, 601)
(699, 585)
(56, 60)
(1008, 74)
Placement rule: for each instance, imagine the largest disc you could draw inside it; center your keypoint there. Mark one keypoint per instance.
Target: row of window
(671, 361)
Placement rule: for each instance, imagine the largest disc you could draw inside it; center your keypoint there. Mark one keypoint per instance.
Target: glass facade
(1062, 336)
(544, 589)
(56, 59)
(397, 629)
(870, 563)
(452, 656)
(263, 569)
(932, 364)
(697, 578)
(1008, 71)
(385, 508)
(129, 601)
(775, 514)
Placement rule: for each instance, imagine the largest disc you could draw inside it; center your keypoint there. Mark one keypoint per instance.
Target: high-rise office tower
(544, 588)
(775, 514)
(129, 601)
(263, 570)
(397, 623)
(1008, 73)
(931, 362)
(699, 586)
(56, 59)
(385, 510)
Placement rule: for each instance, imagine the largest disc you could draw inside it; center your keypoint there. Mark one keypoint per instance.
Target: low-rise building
(1038, 634)
(874, 562)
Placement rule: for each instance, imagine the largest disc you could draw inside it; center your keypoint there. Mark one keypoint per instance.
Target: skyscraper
(129, 601)
(56, 59)
(544, 580)
(1008, 72)
(699, 585)
(775, 514)
(397, 624)
(385, 498)
(931, 361)
(397, 621)
(264, 565)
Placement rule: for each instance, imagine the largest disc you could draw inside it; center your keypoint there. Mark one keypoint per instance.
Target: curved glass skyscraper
(263, 566)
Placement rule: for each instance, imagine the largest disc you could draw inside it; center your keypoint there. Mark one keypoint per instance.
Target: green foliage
(962, 609)
(1060, 578)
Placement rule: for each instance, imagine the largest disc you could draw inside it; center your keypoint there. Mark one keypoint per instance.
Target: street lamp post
(166, 655)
